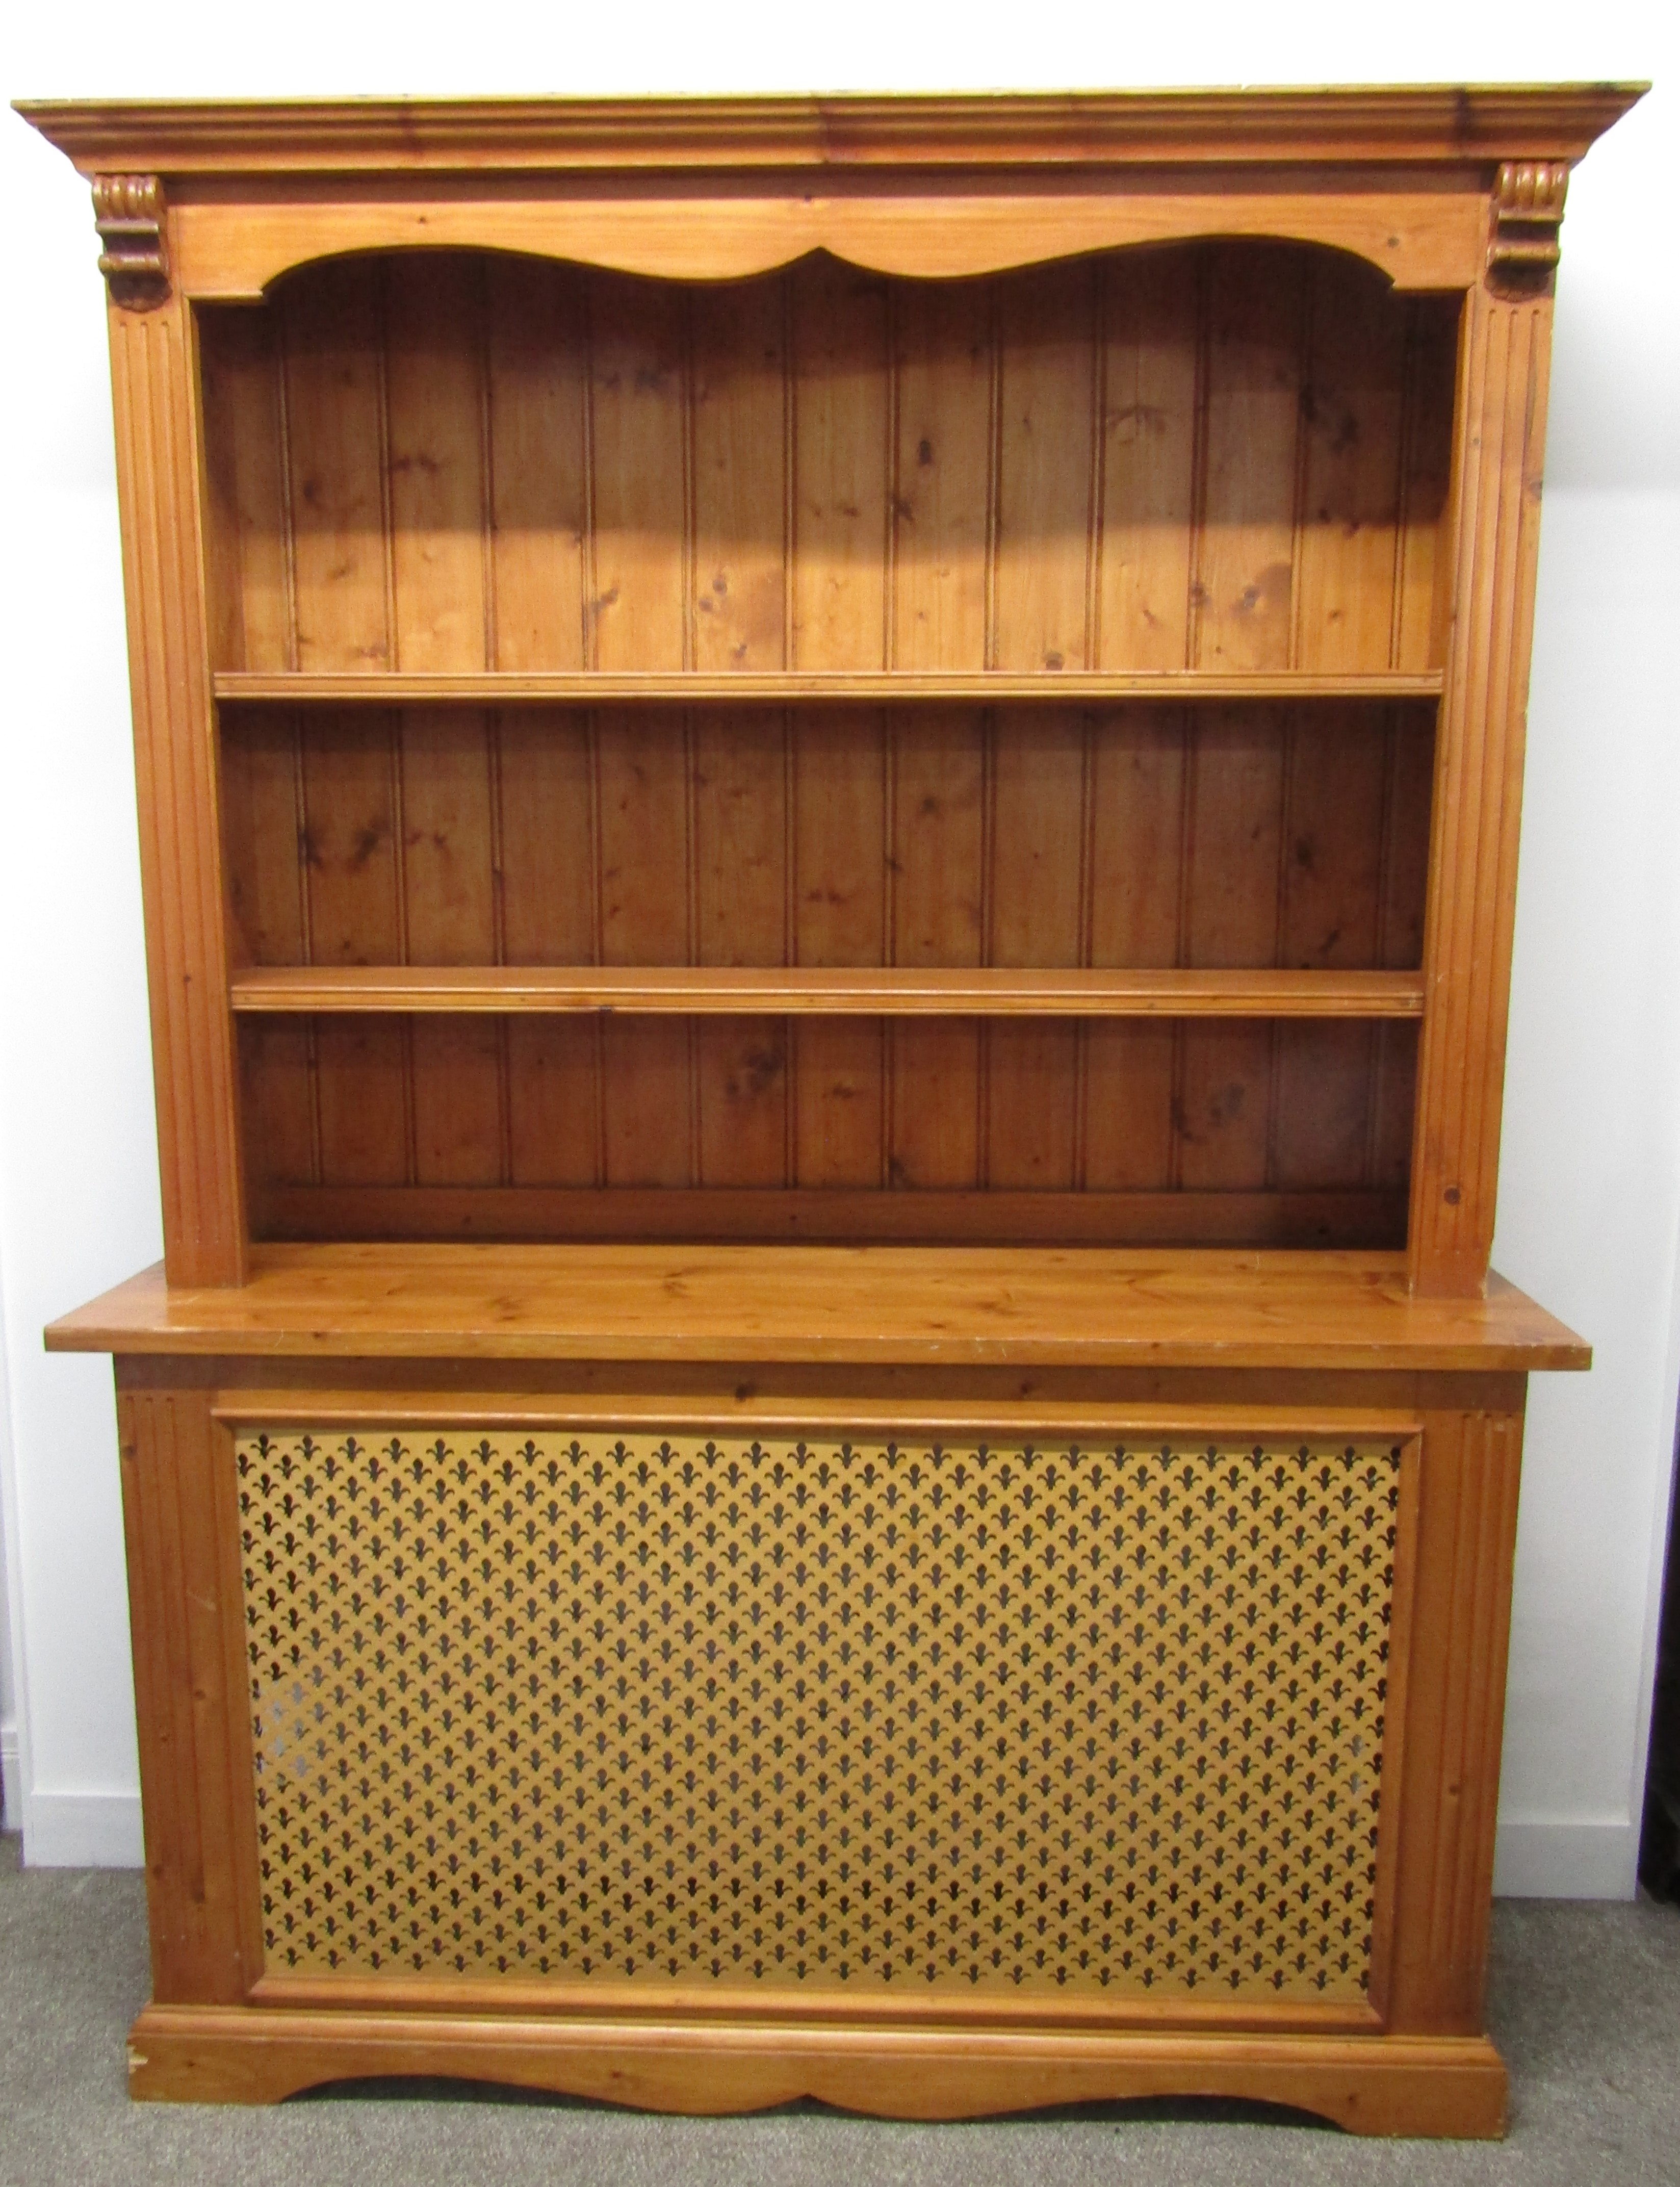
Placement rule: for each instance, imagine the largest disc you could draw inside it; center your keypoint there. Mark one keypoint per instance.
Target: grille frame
(323, 1412)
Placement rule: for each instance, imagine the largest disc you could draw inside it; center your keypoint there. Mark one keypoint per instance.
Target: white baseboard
(11, 1779)
(1535, 1857)
(84, 1829)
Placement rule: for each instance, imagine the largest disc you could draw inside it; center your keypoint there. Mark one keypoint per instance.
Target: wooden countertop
(935, 1306)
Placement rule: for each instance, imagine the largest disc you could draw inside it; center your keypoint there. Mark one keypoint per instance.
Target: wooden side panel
(1478, 790)
(152, 372)
(1455, 1718)
(334, 396)
(181, 1520)
(536, 368)
(841, 368)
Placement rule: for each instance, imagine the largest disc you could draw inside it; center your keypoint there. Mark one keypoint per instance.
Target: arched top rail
(229, 251)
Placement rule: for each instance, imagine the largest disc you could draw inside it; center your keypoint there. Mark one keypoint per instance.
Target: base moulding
(1452, 2087)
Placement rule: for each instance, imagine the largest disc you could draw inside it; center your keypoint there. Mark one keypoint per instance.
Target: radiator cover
(825, 1715)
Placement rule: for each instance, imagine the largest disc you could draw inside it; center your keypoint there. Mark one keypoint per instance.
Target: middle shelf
(797, 687)
(713, 990)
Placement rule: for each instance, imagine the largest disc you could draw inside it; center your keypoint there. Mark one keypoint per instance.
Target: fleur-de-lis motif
(838, 1715)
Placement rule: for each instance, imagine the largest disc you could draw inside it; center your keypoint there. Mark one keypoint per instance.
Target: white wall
(1591, 1180)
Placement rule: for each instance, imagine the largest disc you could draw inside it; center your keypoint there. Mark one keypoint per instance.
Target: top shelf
(857, 686)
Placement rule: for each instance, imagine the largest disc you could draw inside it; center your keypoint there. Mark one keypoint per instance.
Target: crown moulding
(1432, 123)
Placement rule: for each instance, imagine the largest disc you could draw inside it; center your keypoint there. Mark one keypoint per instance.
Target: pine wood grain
(1503, 375)
(181, 1521)
(878, 1304)
(1401, 123)
(439, 498)
(840, 368)
(741, 427)
(841, 883)
(1375, 2085)
(1243, 583)
(554, 1197)
(536, 367)
(1005, 463)
(335, 424)
(839, 686)
(727, 991)
(175, 782)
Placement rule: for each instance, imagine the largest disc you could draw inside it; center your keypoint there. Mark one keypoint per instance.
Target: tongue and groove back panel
(1212, 837)
(1214, 458)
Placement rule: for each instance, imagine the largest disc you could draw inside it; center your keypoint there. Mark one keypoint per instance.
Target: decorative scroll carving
(1528, 209)
(128, 213)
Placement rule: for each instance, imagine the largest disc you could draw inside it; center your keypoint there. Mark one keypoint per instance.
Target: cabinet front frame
(1455, 1529)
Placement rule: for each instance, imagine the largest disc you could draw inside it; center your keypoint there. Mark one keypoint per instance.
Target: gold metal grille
(828, 1715)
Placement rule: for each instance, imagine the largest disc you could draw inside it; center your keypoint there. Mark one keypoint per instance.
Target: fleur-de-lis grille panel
(827, 1715)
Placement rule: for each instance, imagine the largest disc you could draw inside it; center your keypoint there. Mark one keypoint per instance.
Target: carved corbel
(1528, 209)
(128, 213)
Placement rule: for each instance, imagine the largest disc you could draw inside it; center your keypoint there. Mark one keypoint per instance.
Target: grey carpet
(1586, 2006)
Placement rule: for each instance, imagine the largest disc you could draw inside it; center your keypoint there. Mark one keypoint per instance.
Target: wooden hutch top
(1455, 195)
(1436, 184)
